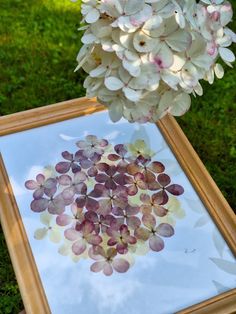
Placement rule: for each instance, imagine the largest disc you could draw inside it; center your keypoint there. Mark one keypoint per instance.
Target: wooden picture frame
(31, 289)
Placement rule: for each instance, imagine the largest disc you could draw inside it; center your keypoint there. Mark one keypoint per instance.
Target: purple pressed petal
(149, 177)
(104, 207)
(75, 167)
(107, 269)
(122, 166)
(68, 156)
(63, 220)
(71, 234)
(156, 167)
(102, 166)
(133, 222)
(164, 179)
(91, 216)
(120, 179)
(86, 163)
(156, 243)
(92, 172)
(132, 210)
(111, 171)
(31, 185)
(113, 157)
(92, 139)
(117, 211)
(68, 193)
(91, 204)
(82, 144)
(79, 177)
(50, 183)
(97, 266)
(39, 205)
(94, 239)
(101, 178)
(98, 191)
(79, 156)
(157, 198)
(38, 193)
(124, 230)
(78, 247)
(120, 265)
(146, 209)
(65, 180)
(120, 149)
(160, 211)
(175, 189)
(63, 167)
(165, 230)
(110, 184)
(97, 253)
(40, 178)
(50, 192)
(149, 221)
(142, 233)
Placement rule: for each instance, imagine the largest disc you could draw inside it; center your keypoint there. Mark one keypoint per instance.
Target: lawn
(39, 42)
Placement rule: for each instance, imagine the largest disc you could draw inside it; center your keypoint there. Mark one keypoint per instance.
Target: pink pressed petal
(64, 220)
(31, 185)
(164, 179)
(133, 222)
(162, 195)
(132, 190)
(146, 209)
(111, 242)
(87, 227)
(165, 230)
(175, 189)
(107, 269)
(120, 265)
(103, 167)
(92, 172)
(122, 248)
(71, 234)
(78, 247)
(97, 253)
(154, 186)
(142, 185)
(160, 211)
(149, 221)
(145, 198)
(157, 198)
(50, 192)
(124, 230)
(131, 240)
(39, 205)
(94, 239)
(142, 233)
(97, 266)
(63, 167)
(103, 143)
(132, 210)
(156, 243)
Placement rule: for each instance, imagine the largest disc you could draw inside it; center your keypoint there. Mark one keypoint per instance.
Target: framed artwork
(112, 218)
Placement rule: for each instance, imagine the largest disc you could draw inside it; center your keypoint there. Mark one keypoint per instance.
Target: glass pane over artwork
(158, 249)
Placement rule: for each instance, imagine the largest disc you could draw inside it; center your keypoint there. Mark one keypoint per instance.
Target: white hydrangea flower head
(145, 58)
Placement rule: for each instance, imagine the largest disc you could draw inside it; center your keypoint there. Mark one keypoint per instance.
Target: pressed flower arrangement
(110, 203)
(144, 58)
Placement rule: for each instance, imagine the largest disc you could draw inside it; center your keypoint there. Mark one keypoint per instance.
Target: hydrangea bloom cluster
(108, 202)
(144, 58)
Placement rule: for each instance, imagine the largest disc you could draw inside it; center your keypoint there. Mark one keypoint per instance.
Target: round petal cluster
(110, 202)
(144, 58)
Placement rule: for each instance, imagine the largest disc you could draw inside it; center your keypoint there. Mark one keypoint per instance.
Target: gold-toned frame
(28, 278)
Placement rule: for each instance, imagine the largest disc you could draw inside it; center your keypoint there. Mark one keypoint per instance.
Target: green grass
(38, 46)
